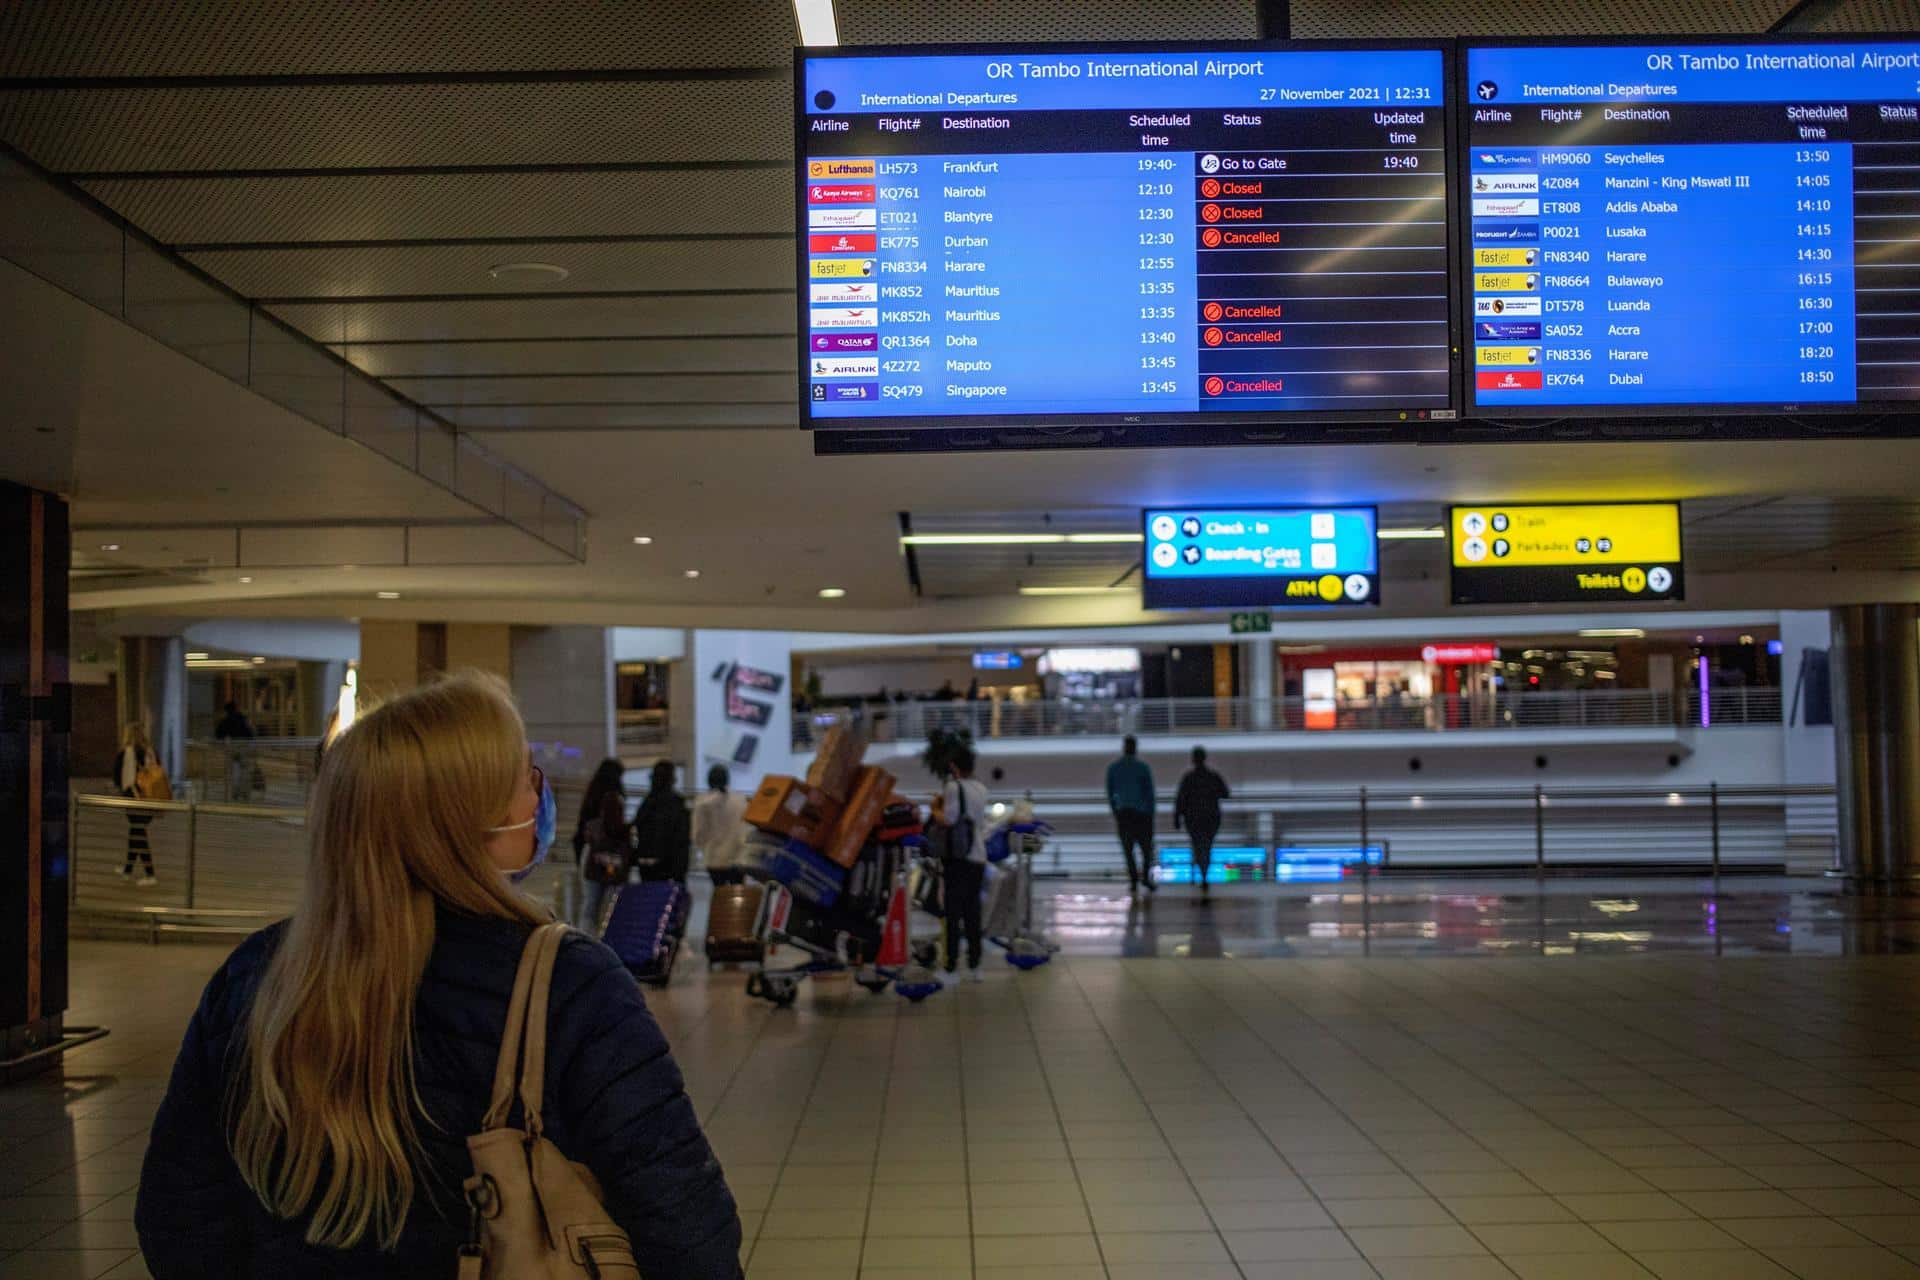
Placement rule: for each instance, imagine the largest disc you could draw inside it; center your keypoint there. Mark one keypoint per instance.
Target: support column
(35, 725)
(153, 689)
(1256, 660)
(563, 679)
(1876, 704)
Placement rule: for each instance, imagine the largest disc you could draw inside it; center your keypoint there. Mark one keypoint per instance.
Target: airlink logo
(840, 168)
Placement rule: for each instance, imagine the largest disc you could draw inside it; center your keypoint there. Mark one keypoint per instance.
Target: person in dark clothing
(316, 1121)
(964, 871)
(603, 811)
(1130, 796)
(1196, 807)
(663, 829)
(234, 724)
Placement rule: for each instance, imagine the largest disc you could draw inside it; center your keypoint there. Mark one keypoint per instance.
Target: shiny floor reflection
(1478, 916)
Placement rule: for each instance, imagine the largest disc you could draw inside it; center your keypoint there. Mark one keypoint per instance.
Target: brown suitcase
(730, 920)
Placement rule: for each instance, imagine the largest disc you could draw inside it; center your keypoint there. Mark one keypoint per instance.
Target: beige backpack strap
(533, 1065)
(511, 1040)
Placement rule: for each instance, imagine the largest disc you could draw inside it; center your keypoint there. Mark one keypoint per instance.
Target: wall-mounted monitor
(1511, 553)
(1124, 236)
(1670, 226)
(1227, 557)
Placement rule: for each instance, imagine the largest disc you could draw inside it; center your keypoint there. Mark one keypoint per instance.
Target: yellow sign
(1505, 282)
(840, 168)
(1640, 534)
(841, 268)
(1505, 257)
(1507, 357)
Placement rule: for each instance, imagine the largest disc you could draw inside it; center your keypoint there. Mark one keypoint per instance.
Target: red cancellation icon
(1210, 237)
(1213, 337)
(1213, 311)
(1210, 188)
(1209, 213)
(1215, 386)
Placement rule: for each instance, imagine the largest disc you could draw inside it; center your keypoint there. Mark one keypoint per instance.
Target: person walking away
(233, 729)
(1196, 807)
(139, 776)
(720, 827)
(317, 1119)
(1131, 797)
(662, 829)
(600, 837)
(963, 805)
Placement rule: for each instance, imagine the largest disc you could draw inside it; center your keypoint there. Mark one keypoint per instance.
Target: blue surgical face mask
(543, 823)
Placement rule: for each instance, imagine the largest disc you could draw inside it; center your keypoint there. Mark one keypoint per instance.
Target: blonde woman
(136, 749)
(317, 1118)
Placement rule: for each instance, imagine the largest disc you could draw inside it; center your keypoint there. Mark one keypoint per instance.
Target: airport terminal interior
(1368, 550)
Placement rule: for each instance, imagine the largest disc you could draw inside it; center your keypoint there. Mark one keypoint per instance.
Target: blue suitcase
(644, 928)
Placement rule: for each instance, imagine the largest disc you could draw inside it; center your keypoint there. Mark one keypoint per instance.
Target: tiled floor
(1377, 1117)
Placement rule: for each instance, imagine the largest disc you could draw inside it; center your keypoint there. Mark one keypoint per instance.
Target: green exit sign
(1246, 624)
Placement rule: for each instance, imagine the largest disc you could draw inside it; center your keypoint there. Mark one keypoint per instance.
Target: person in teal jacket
(1130, 796)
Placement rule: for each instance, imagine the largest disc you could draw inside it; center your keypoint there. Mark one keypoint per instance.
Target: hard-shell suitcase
(644, 928)
(730, 923)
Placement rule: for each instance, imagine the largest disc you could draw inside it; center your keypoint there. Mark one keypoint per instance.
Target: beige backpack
(536, 1216)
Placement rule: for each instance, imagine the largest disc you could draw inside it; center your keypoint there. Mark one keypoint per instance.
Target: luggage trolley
(837, 936)
(1009, 923)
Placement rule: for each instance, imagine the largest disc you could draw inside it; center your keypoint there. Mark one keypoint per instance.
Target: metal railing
(1571, 709)
(275, 772)
(224, 868)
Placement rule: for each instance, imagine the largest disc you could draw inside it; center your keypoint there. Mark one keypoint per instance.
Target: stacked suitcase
(644, 928)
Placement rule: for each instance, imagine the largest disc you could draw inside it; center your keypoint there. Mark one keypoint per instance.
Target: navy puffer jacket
(614, 1102)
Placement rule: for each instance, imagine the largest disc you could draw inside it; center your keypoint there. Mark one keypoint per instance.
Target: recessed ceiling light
(386, 595)
(245, 580)
(693, 573)
(109, 546)
(832, 593)
(528, 272)
(816, 22)
(642, 540)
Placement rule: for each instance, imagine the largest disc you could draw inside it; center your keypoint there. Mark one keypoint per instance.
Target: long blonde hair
(324, 1104)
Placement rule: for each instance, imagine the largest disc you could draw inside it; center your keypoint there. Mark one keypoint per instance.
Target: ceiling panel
(452, 205)
(936, 21)
(584, 356)
(1406, 19)
(590, 317)
(623, 417)
(449, 393)
(361, 271)
(335, 37)
(334, 126)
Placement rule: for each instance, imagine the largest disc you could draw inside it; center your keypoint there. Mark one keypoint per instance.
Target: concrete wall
(389, 657)
(563, 679)
(481, 646)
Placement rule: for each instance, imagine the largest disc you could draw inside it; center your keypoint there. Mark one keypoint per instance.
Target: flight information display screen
(1655, 227)
(1124, 235)
(1221, 557)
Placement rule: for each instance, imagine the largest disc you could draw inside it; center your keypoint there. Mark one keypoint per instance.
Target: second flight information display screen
(1124, 236)
(1655, 226)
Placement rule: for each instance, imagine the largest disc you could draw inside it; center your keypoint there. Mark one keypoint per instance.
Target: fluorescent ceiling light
(198, 657)
(245, 580)
(1106, 537)
(1627, 633)
(832, 593)
(1077, 591)
(259, 662)
(1413, 533)
(981, 539)
(693, 573)
(386, 595)
(816, 22)
(642, 540)
(109, 546)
